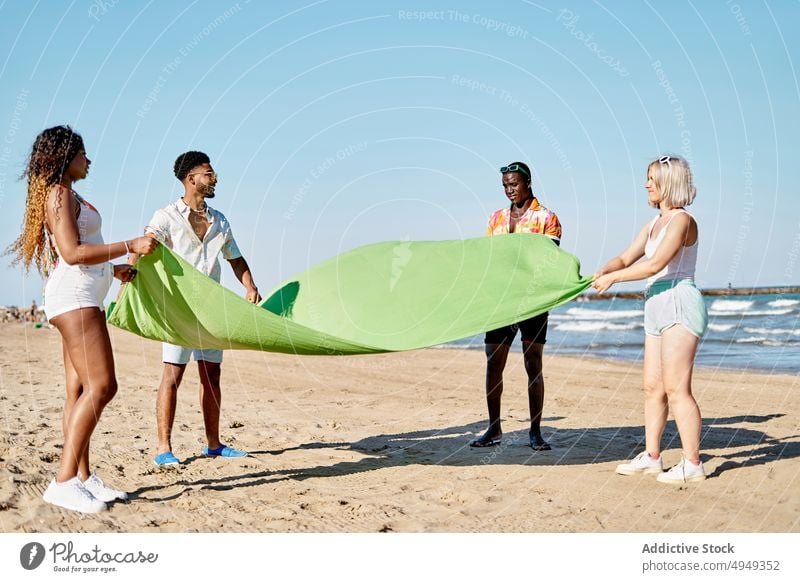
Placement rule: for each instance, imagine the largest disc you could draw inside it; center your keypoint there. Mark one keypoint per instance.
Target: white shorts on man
(172, 354)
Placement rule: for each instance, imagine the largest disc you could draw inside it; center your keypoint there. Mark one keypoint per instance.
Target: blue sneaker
(224, 451)
(167, 460)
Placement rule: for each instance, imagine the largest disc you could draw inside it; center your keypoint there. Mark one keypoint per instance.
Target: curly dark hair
(187, 162)
(51, 154)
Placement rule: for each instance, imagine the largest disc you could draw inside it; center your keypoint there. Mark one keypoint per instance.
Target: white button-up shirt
(170, 225)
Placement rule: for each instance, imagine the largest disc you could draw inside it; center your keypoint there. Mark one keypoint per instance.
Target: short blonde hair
(673, 179)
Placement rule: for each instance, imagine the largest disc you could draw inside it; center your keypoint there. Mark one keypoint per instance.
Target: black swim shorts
(533, 330)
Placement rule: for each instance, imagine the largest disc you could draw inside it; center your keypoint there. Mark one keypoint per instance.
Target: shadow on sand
(449, 447)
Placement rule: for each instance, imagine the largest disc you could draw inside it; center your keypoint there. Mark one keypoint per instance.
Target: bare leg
(87, 343)
(655, 397)
(210, 399)
(678, 348)
(532, 354)
(496, 356)
(73, 392)
(166, 402)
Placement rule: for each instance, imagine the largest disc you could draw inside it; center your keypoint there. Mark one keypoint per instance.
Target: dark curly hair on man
(187, 162)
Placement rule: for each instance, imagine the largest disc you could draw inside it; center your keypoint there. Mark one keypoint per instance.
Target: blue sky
(336, 124)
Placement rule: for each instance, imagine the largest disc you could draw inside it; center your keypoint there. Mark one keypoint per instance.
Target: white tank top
(682, 265)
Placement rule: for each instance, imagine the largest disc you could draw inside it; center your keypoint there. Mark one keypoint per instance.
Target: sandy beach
(379, 444)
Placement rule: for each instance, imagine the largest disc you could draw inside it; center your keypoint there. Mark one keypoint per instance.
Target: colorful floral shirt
(536, 220)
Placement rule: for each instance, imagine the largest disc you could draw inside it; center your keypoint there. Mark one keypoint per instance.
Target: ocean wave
(715, 313)
(456, 345)
(574, 313)
(596, 326)
(604, 347)
(721, 326)
(784, 302)
(775, 331)
(731, 305)
(763, 341)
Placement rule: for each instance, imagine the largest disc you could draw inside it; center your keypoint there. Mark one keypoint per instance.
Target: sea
(745, 332)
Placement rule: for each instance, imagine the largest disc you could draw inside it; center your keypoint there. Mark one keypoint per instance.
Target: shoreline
(700, 366)
(619, 360)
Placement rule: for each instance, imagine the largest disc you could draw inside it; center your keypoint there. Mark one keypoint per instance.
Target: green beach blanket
(384, 297)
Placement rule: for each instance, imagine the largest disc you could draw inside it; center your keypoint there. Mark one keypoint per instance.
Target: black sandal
(487, 440)
(538, 443)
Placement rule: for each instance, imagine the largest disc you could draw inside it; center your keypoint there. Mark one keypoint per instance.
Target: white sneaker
(73, 495)
(102, 491)
(641, 463)
(683, 472)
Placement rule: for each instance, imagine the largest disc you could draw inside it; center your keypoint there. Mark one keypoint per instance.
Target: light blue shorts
(674, 302)
(171, 354)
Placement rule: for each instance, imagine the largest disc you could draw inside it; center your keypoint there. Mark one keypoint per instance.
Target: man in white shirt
(199, 234)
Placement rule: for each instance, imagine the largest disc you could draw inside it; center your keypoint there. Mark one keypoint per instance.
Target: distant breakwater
(591, 296)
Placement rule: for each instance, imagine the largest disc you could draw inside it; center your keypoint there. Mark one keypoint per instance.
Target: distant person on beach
(523, 215)
(199, 234)
(61, 234)
(675, 317)
(33, 312)
(10, 313)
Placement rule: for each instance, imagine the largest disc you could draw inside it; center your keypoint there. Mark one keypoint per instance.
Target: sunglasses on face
(209, 174)
(514, 168)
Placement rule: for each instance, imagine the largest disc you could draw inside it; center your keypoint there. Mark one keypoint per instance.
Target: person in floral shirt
(524, 215)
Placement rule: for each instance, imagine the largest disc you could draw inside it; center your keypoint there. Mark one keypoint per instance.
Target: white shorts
(172, 354)
(674, 302)
(71, 287)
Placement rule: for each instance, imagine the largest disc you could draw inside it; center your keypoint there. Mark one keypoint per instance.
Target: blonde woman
(675, 318)
(61, 235)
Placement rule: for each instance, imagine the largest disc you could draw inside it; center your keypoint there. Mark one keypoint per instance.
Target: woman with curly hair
(61, 235)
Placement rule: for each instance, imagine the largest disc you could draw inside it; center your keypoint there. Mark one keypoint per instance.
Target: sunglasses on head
(665, 160)
(514, 168)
